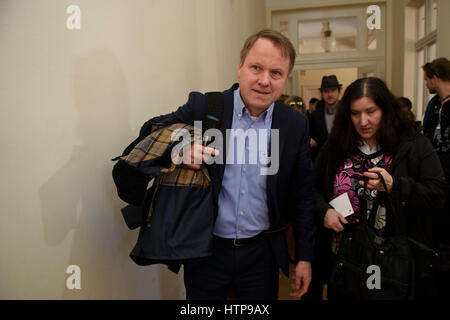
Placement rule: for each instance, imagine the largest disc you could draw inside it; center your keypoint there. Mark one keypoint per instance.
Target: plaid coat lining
(156, 144)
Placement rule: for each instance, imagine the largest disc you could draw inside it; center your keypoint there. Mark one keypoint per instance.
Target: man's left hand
(303, 277)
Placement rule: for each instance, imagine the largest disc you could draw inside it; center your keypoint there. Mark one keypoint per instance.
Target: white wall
(443, 42)
(72, 100)
(403, 50)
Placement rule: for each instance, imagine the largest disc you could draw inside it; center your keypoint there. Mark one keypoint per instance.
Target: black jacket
(318, 127)
(418, 190)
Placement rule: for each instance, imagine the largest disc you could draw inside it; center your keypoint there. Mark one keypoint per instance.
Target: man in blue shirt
(264, 184)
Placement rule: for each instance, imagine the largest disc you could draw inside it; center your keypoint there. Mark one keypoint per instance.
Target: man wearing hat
(320, 123)
(322, 118)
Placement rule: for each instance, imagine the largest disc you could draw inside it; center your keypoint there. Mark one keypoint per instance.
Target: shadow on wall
(81, 198)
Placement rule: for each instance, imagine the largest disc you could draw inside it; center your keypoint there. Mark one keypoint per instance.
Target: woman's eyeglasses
(296, 104)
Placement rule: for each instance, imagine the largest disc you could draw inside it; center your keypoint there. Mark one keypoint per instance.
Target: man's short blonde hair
(278, 40)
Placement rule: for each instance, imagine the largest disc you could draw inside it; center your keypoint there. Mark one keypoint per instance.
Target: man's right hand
(334, 220)
(197, 155)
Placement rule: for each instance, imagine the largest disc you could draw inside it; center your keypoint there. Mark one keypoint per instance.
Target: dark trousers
(251, 269)
(321, 265)
(443, 273)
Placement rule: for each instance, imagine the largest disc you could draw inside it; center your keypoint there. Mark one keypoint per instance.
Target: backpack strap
(213, 113)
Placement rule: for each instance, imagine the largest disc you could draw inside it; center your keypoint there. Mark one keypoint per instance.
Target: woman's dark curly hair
(344, 139)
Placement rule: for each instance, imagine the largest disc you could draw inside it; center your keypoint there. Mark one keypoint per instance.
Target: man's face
(262, 76)
(330, 96)
(431, 84)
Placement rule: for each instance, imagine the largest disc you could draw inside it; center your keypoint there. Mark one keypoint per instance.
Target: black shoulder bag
(365, 255)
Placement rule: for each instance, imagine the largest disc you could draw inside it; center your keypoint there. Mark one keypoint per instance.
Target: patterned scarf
(348, 175)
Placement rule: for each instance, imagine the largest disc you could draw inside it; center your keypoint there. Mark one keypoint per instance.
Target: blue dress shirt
(243, 210)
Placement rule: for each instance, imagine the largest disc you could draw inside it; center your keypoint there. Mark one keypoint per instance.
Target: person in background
(405, 106)
(283, 98)
(437, 130)
(369, 136)
(321, 120)
(312, 105)
(297, 103)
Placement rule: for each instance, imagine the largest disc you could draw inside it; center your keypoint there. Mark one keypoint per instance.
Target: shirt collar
(240, 109)
(365, 148)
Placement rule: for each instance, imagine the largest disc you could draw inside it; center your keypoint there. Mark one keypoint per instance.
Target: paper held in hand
(342, 205)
